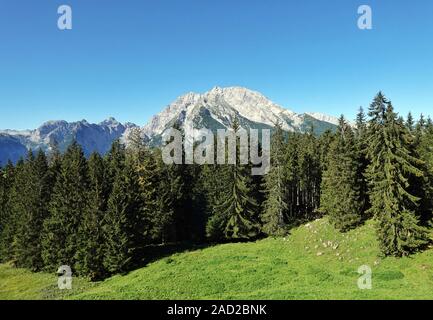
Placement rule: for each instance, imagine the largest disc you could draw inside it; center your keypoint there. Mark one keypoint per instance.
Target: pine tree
(67, 206)
(31, 211)
(197, 202)
(123, 221)
(341, 197)
(410, 123)
(115, 160)
(164, 226)
(293, 176)
(237, 206)
(211, 177)
(429, 123)
(275, 206)
(361, 143)
(3, 202)
(54, 163)
(7, 177)
(324, 143)
(419, 129)
(16, 206)
(420, 126)
(90, 255)
(186, 221)
(179, 200)
(148, 174)
(392, 166)
(424, 187)
(309, 174)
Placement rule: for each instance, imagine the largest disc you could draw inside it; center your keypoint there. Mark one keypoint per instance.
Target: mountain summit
(215, 109)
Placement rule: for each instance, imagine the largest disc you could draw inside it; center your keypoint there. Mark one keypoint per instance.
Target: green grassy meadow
(313, 262)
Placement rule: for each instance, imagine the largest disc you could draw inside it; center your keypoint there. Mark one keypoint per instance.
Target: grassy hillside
(314, 262)
(20, 284)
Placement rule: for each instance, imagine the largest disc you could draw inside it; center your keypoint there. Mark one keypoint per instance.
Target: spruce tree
(293, 176)
(341, 198)
(237, 207)
(179, 199)
(68, 204)
(274, 216)
(419, 129)
(324, 143)
(410, 123)
(32, 210)
(211, 177)
(3, 203)
(7, 177)
(309, 175)
(148, 175)
(115, 160)
(183, 178)
(424, 187)
(16, 206)
(123, 222)
(361, 143)
(90, 255)
(392, 168)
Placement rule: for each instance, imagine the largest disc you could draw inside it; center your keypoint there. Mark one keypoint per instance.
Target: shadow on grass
(153, 253)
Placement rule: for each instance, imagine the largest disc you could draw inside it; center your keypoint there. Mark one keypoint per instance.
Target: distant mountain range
(92, 137)
(215, 109)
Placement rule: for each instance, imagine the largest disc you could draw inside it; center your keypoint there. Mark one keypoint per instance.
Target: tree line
(99, 215)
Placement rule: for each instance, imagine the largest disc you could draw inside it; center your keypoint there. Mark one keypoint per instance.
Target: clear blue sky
(129, 59)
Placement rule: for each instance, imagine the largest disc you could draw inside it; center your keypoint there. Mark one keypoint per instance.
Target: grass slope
(314, 262)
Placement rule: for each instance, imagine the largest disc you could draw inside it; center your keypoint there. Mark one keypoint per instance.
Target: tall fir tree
(61, 237)
(410, 123)
(341, 196)
(293, 176)
(419, 129)
(145, 162)
(392, 167)
(237, 207)
(164, 227)
(90, 254)
(211, 177)
(7, 221)
(324, 143)
(32, 210)
(16, 210)
(123, 220)
(424, 147)
(310, 176)
(115, 161)
(4, 194)
(180, 200)
(274, 216)
(361, 143)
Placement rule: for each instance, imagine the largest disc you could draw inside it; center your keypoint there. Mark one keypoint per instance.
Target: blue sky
(129, 59)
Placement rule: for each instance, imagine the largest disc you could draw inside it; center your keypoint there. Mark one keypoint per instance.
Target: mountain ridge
(214, 109)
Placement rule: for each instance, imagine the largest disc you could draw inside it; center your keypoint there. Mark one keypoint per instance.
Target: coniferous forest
(100, 214)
